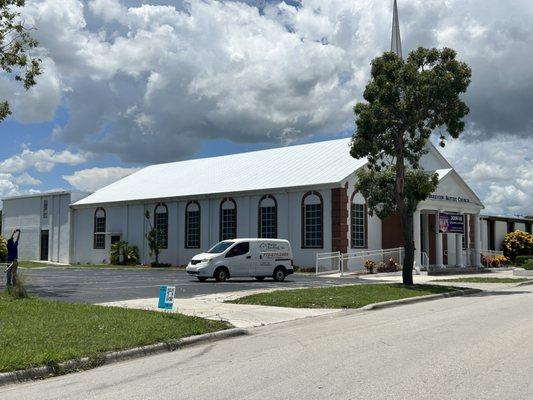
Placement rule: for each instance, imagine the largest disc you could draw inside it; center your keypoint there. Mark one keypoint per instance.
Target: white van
(259, 258)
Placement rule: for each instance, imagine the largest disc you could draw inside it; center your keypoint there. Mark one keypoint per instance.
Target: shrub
(517, 243)
(528, 264)
(3, 250)
(494, 261)
(123, 253)
(389, 266)
(370, 266)
(520, 260)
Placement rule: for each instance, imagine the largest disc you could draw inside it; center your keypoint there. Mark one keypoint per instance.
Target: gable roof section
(452, 174)
(314, 164)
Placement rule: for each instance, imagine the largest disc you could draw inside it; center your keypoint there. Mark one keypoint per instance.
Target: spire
(396, 40)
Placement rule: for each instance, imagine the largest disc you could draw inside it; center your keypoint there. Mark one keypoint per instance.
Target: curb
(420, 299)
(524, 283)
(84, 363)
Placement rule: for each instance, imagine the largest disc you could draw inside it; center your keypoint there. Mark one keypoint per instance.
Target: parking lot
(104, 285)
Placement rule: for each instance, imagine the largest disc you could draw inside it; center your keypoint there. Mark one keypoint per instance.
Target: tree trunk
(409, 246)
(406, 214)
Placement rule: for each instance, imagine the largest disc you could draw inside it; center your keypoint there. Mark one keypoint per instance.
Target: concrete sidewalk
(239, 315)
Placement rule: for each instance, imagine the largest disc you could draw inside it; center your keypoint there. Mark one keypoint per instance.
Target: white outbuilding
(45, 223)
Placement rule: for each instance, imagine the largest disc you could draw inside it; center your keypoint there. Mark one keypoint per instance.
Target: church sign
(451, 223)
(444, 197)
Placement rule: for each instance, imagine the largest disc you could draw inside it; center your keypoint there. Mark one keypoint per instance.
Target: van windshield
(220, 247)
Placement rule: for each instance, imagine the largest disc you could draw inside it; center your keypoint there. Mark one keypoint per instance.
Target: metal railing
(354, 262)
(328, 263)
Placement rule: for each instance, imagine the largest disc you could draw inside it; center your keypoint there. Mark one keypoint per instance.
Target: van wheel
(221, 274)
(260, 278)
(201, 278)
(279, 274)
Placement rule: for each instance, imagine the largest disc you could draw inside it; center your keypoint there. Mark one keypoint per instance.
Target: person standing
(12, 258)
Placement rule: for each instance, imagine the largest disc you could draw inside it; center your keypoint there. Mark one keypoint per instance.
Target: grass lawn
(353, 296)
(475, 279)
(36, 332)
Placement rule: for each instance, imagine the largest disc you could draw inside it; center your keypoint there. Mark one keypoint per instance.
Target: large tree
(405, 102)
(16, 45)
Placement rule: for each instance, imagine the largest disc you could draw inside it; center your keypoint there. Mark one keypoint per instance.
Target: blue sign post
(166, 297)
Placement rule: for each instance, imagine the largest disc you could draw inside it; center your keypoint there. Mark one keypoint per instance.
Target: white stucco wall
(500, 230)
(26, 213)
(484, 234)
(129, 221)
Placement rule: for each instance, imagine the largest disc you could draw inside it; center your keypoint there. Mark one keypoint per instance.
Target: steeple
(396, 40)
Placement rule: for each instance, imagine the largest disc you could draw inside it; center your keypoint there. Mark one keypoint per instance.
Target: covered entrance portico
(436, 245)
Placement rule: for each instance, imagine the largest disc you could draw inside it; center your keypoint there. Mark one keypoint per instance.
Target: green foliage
(124, 254)
(517, 243)
(405, 102)
(520, 260)
(349, 296)
(3, 250)
(377, 187)
(16, 45)
(528, 264)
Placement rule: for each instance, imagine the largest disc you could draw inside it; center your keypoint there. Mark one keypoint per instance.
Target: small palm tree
(153, 240)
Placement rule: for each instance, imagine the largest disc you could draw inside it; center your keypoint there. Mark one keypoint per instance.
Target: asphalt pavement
(105, 285)
(474, 347)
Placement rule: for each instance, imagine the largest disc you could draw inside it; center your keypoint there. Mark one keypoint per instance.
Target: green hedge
(3, 250)
(528, 264)
(520, 260)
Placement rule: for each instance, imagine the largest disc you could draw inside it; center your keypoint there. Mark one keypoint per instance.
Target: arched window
(358, 221)
(312, 220)
(268, 217)
(192, 225)
(99, 229)
(161, 224)
(228, 219)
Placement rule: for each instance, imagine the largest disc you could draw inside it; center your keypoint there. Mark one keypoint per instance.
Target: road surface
(476, 347)
(104, 285)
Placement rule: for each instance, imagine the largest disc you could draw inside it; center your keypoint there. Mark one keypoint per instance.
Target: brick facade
(339, 219)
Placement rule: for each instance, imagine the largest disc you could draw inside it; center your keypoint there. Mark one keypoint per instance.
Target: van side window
(239, 249)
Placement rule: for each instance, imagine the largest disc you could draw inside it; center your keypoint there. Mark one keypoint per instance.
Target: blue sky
(127, 84)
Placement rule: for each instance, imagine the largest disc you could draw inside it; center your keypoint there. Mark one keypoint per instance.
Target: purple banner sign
(451, 223)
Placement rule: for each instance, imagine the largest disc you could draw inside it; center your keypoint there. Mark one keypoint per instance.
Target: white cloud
(42, 160)
(499, 170)
(13, 185)
(95, 178)
(151, 83)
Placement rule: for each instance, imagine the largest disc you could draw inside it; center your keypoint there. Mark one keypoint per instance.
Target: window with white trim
(228, 219)
(192, 225)
(99, 228)
(313, 221)
(161, 225)
(358, 221)
(268, 218)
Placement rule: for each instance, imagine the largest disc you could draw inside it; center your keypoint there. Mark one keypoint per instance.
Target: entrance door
(44, 245)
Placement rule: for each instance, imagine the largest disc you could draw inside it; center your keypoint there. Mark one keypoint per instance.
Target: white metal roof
(321, 163)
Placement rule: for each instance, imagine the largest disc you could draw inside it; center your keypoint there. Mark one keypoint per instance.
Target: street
(475, 347)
